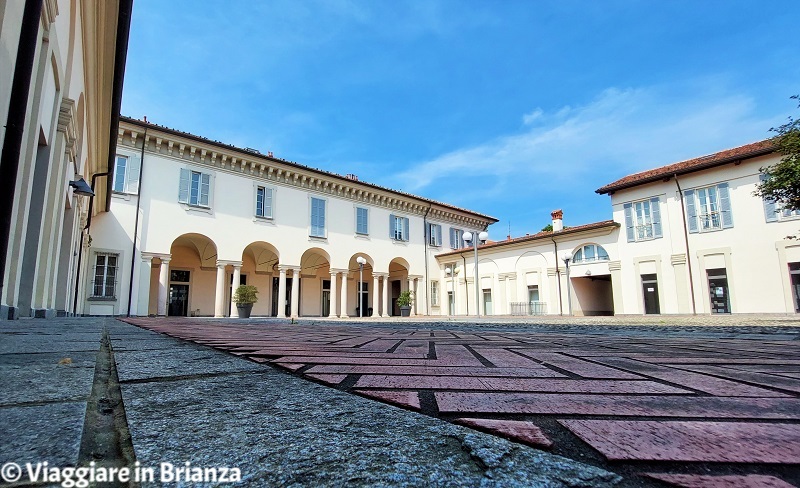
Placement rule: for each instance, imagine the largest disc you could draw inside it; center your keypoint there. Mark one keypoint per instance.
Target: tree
(547, 228)
(782, 183)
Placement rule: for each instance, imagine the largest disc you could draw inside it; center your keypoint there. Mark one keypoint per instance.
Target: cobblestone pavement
(710, 407)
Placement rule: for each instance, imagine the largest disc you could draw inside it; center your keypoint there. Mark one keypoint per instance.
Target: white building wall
(750, 250)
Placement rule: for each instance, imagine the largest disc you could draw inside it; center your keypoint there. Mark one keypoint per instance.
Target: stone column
(295, 305)
(375, 293)
(385, 296)
(163, 286)
(282, 292)
(143, 302)
(344, 296)
(219, 297)
(334, 294)
(237, 277)
(414, 295)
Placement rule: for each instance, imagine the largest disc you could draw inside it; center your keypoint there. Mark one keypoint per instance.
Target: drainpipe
(120, 56)
(80, 248)
(686, 242)
(136, 225)
(15, 124)
(466, 285)
(425, 223)
(558, 278)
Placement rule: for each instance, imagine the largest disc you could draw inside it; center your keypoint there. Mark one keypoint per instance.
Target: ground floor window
(487, 302)
(105, 276)
(794, 276)
(650, 293)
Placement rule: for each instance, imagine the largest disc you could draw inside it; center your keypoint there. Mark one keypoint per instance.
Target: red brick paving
(718, 403)
(731, 481)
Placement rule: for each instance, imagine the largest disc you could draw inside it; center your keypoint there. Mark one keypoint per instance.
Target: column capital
(225, 262)
(380, 275)
(153, 255)
(288, 267)
(414, 277)
(339, 270)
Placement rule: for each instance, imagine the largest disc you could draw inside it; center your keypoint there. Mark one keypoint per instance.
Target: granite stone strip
(729, 481)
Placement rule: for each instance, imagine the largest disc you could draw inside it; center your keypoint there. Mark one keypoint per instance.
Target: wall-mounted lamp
(82, 188)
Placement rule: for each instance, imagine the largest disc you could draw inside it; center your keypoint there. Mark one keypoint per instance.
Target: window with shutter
(708, 208)
(362, 221)
(194, 188)
(126, 174)
(120, 172)
(317, 217)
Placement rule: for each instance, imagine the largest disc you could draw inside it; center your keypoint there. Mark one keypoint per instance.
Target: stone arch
(264, 256)
(202, 245)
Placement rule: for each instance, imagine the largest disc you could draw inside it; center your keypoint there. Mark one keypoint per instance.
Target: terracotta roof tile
(704, 162)
(539, 235)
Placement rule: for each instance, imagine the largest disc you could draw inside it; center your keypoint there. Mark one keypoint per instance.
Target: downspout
(466, 285)
(15, 123)
(425, 223)
(120, 57)
(686, 242)
(558, 279)
(80, 247)
(136, 225)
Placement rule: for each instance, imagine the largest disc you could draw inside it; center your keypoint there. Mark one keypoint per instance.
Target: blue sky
(511, 108)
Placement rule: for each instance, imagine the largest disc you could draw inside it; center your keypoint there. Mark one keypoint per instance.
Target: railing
(528, 308)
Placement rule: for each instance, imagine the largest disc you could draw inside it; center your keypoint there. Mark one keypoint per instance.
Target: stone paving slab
(732, 481)
(639, 379)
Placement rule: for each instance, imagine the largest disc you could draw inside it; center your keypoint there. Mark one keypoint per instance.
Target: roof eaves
(304, 167)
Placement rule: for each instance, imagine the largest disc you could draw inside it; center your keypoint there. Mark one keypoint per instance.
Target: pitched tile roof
(689, 166)
(538, 236)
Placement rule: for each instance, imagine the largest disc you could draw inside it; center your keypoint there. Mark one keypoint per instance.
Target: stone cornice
(264, 168)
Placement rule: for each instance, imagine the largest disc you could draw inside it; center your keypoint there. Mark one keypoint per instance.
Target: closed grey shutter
(391, 227)
(725, 205)
(205, 185)
(655, 208)
(183, 188)
(321, 217)
(134, 168)
(770, 209)
(452, 238)
(405, 229)
(629, 221)
(267, 202)
(691, 213)
(438, 235)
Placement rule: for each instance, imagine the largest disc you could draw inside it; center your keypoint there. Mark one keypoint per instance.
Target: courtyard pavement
(693, 405)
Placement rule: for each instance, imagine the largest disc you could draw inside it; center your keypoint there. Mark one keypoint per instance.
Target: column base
(344, 316)
(384, 316)
(44, 313)
(9, 313)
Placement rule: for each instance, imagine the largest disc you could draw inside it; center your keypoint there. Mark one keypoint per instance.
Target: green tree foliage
(547, 228)
(783, 179)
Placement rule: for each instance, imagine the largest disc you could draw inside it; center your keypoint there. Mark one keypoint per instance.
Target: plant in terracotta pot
(404, 301)
(244, 298)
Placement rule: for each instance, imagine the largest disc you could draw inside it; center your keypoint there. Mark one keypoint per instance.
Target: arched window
(590, 253)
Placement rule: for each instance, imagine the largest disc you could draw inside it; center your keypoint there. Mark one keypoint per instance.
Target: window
(643, 220)
(398, 228)
(105, 276)
(317, 217)
(708, 209)
(362, 221)
(456, 238)
(126, 175)
(434, 232)
(590, 253)
(773, 211)
(264, 202)
(434, 293)
(194, 188)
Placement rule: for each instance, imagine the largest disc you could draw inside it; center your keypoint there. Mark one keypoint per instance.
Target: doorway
(650, 293)
(288, 298)
(794, 275)
(718, 290)
(178, 305)
(326, 297)
(451, 303)
(396, 288)
(487, 302)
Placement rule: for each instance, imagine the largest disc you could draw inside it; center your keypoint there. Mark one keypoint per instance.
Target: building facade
(61, 69)
(190, 218)
(694, 238)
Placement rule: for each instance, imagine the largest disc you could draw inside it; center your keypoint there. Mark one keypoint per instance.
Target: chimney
(558, 220)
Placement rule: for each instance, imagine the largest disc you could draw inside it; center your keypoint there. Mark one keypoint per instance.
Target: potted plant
(404, 301)
(244, 298)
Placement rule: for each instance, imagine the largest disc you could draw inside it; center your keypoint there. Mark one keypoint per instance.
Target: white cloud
(619, 132)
